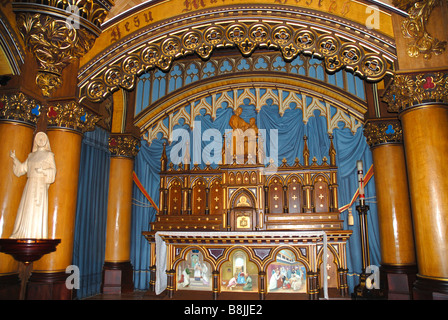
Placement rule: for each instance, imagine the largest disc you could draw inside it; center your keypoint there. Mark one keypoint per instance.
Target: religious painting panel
(275, 196)
(321, 194)
(294, 195)
(285, 274)
(194, 273)
(175, 197)
(239, 274)
(199, 197)
(216, 197)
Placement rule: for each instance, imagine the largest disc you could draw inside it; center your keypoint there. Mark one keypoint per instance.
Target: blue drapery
(91, 212)
(350, 147)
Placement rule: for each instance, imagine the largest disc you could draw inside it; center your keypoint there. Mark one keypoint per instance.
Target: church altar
(263, 248)
(245, 226)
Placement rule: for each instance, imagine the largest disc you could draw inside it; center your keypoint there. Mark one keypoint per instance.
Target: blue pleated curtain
(91, 212)
(350, 147)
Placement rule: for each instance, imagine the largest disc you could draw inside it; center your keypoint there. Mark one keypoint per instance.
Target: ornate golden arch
(290, 29)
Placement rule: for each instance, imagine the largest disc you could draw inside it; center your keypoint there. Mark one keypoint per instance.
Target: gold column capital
(19, 107)
(124, 145)
(70, 115)
(57, 33)
(414, 27)
(383, 131)
(413, 89)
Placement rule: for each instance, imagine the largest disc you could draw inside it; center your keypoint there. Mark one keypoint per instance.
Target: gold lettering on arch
(122, 29)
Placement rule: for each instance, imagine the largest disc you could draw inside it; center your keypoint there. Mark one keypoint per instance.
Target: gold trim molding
(19, 107)
(414, 27)
(383, 131)
(124, 145)
(408, 90)
(202, 39)
(71, 115)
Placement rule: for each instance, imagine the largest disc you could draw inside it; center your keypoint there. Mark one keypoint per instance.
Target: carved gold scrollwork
(409, 90)
(383, 131)
(288, 39)
(305, 39)
(58, 32)
(236, 33)
(373, 66)
(113, 76)
(54, 43)
(259, 34)
(150, 55)
(171, 47)
(124, 145)
(191, 40)
(72, 116)
(282, 35)
(48, 82)
(350, 55)
(414, 27)
(214, 35)
(328, 45)
(19, 107)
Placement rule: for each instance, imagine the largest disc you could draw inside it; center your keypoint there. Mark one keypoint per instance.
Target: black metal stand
(361, 292)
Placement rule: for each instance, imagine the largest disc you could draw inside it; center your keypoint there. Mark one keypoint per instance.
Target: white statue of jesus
(32, 215)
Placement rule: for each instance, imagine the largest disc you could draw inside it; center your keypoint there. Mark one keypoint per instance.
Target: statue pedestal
(27, 251)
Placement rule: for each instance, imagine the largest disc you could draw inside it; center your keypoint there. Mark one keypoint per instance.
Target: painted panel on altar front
(286, 274)
(194, 273)
(239, 274)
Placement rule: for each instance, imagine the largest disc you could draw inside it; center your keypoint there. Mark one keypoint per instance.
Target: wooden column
(215, 288)
(342, 282)
(398, 263)
(425, 129)
(64, 129)
(117, 269)
(422, 102)
(262, 284)
(17, 126)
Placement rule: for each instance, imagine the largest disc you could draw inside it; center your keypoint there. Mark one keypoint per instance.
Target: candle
(359, 165)
(361, 182)
(350, 217)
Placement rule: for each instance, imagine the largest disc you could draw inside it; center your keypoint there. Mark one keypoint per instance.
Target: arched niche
(216, 197)
(175, 197)
(321, 194)
(275, 200)
(199, 197)
(295, 195)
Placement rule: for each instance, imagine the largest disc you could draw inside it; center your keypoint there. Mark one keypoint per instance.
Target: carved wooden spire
(332, 151)
(306, 152)
(163, 158)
